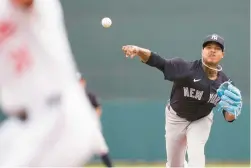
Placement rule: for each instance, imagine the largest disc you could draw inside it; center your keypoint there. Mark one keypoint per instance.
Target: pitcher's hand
(130, 50)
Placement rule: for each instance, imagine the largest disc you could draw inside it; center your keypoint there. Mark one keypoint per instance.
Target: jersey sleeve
(171, 68)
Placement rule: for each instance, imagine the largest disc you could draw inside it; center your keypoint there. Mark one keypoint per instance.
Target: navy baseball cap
(214, 38)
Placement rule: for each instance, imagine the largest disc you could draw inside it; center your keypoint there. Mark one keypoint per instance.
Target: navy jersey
(193, 94)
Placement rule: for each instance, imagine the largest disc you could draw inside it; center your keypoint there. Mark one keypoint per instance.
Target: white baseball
(106, 22)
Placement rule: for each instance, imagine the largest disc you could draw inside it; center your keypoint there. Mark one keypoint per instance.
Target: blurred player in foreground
(198, 87)
(38, 76)
(102, 150)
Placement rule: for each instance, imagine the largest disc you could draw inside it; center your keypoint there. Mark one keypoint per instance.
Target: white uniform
(37, 72)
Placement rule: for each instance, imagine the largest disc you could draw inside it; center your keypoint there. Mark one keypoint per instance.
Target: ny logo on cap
(214, 37)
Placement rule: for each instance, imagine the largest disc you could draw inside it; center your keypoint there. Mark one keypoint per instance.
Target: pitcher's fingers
(232, 95)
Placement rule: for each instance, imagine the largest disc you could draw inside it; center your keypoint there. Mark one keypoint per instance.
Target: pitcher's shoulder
(223, 77)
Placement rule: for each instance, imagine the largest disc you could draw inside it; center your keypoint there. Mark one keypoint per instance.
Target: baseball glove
(231, 100)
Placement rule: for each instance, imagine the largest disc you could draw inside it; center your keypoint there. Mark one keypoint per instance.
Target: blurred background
(133, 95)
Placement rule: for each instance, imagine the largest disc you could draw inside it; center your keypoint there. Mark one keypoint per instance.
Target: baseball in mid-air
(106, 22)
